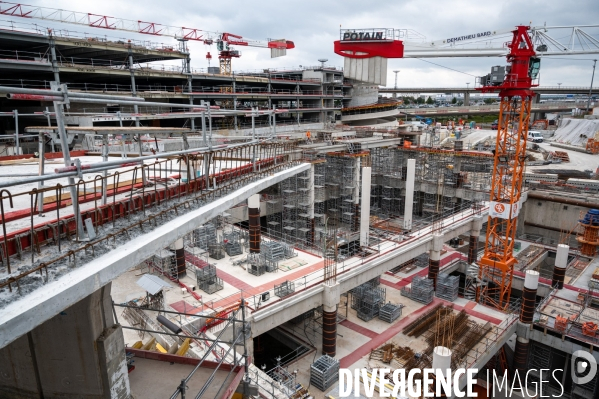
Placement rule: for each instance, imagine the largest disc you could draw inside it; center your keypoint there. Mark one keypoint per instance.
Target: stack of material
(272, 250)
(324, 372)
(256, 264)
(367, 299)
(165, 261)
(216, 251)
(205, 235)
(289, 251)
(370, 303)
(422, 290)
(284, 289)
(207, 280)
(232, 243)
(447, 287)
(390, 312)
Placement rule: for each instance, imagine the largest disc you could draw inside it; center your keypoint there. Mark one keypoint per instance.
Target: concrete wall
(363, 94)
(79, 353)
(553, 216)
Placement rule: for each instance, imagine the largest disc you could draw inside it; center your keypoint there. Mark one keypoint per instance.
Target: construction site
(171, 232)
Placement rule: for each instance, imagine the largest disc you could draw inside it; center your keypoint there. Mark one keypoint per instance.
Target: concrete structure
(325, 216)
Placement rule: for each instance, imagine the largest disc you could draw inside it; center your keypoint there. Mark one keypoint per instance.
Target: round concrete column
(529, 295)
(559, 270)
(254, 220)
(329, 331)
(180, 258)
(521, 355)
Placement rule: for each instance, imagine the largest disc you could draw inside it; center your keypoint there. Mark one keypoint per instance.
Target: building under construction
(170, 232)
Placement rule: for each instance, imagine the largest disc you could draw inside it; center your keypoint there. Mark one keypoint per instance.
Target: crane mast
(497, 263)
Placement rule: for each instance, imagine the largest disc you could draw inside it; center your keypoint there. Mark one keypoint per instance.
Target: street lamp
(559, 85)
(591, 88)
(396, 71)
(467, 85)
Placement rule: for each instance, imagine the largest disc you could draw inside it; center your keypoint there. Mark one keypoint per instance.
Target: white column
(365, 206)
(531, 280)
(411, 175)
(441, 358)
(561, 257)
(357, 182)
(311, 192)
(254, 201)
(178, 244)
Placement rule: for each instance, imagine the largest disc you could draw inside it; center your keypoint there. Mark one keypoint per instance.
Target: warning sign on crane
(504, 211)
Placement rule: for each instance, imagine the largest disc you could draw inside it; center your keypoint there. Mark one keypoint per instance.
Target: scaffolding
(319, 200)
(208, 281)
(232, 242)
(422, 290)
(447, 287)
(164, 260)
(324, 372)
(289, 214)
(284, 289)
(367, 299)
(304, 203)
(256, 264)
(273, 213)
(205, 235)
(390, 312)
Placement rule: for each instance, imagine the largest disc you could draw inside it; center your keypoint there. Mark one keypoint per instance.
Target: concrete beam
(280, 312)
(23, 315)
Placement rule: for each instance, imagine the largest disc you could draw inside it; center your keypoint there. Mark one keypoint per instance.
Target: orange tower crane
(497, 263)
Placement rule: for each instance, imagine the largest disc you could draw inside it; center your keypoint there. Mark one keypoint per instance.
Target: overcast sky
(314, 25)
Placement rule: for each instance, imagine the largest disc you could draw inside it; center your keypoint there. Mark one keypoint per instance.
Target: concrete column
(356, 184)
(559, 270)
(409, 203)
(441, 364)
(521, 355)
(310, 238)
(476, 226)
(180, 258)
(466, 98)
(435, 258)
(529, 294)
(79, 353)
(331, 296)
(365, 206)
(441, 358)
(254, 220)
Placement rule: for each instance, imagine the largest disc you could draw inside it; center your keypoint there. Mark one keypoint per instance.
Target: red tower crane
(497, 263)
(278, 47)
(514, 86)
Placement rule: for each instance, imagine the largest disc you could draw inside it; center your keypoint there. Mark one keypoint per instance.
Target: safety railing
(139, 207)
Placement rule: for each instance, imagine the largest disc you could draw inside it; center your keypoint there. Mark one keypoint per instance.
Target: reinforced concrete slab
(29, 311)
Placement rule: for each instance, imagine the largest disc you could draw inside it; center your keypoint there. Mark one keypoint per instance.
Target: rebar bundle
(324, 372)
(390, 312)
(447, 287)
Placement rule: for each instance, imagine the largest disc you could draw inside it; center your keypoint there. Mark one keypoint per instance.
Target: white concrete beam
(26, 313)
